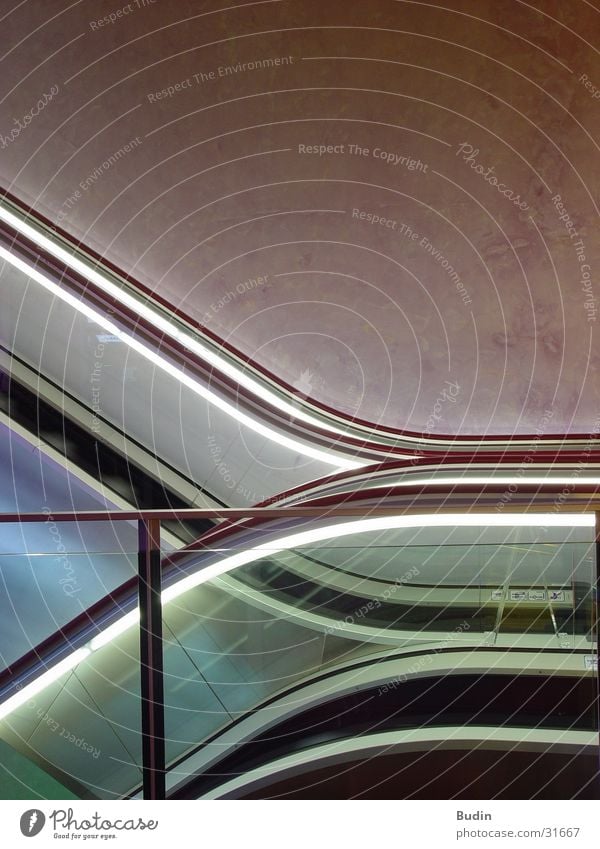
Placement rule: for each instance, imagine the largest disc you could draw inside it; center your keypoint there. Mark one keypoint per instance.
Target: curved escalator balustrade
(254, 609)
(436, 702)
(58, 270)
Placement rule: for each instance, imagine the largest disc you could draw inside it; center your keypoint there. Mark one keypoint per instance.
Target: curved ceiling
(389, 206)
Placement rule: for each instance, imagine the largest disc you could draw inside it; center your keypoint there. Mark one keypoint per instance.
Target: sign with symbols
(532, 595)
(536, 595)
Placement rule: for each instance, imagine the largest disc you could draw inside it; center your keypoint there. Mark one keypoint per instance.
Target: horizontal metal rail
(590, 506)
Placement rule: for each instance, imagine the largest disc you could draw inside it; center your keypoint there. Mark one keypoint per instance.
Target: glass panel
(53, 571)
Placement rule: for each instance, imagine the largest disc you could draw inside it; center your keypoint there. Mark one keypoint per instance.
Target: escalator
(115, 473)
(255, 608)
(321, 656)
(121, 335)
(242, 629)
(561, 706)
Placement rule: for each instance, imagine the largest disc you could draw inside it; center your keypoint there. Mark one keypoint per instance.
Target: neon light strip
(504, 481)
(161, 323)
(563, 520)
(174, 371)
(88, 270)
(566, 520)
(43, 681)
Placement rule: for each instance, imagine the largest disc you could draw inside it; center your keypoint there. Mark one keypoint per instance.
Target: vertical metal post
(151, 659)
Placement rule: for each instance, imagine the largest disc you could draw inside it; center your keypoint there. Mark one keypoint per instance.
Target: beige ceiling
(233, 158)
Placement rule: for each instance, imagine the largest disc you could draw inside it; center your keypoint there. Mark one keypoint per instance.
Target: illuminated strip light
(44, 680)
(491, 480)
(340, 463)
(115, 630)
(384, 523)
(162, 324)
(479, 481)
(190, 342)
(564, 520)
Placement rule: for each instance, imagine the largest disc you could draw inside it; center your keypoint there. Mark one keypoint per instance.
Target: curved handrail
(116, 610)
(386, 673)
(368, 746)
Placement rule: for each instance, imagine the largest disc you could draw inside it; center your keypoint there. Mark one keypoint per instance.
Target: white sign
(518, 595)
(537, 595)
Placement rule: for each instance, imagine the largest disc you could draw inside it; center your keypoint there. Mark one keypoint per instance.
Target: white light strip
(340, 463)
(115, 630)
(91, 273)
(470, 520)
(161, 323)
(504, 481)
(44, 680)
(544, 520)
